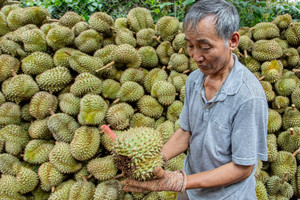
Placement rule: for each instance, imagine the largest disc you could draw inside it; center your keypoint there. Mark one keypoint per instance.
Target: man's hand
(164, 181)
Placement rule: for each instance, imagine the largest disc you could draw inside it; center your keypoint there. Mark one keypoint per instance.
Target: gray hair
(226, 16)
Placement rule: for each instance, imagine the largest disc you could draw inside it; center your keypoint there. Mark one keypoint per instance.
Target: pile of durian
(61, 80)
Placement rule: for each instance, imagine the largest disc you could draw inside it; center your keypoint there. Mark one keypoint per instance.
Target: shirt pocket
(222, 137)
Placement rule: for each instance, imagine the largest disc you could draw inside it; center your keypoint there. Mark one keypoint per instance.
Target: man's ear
(234, 41)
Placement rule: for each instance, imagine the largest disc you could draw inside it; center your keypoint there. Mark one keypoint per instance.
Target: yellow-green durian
(26, 178)
(110, 88)
(40, 104)
(119, 115)
(59, 37)
(85, 143)
(178, 62)
(149, 57)
(292, 33)
(62, 126)
(86, 83)
(130, 91)
(3, 26)
(291, 56)
(177, 79)
(37, 151)
(139, 18)
(34, 40)
(15, 137)
(36, 63)
(62, 56)
(154, 75)
(88, 41)
(102, 168)
(85, 63)
(261, 191)
(49, 176)
(146, 37)
(125, 36)
(179, 42)
(109, 190)
(265, 31)
(38, 129)
(62, 192)
(291, 117)
(164, 92)
(140, 120)
(280, 103)
(245, 43)
(265, 50)
(69, 103)
(39, 193)
(70, 18)
(79, 27)
(174, 110)
(152, 196)
(245, 31)
(270, 94)
(167, 27)
(12, 48)
(274, 121)
(8, 63)
(6, 164)
(166, 130)
(272, 70)
(61, 157)
(295, 97)
(289, 140)
(10, 113)
(272, 147)
(150, 107)
(55, 79)
(121, 22)
(287, 83)
(283, 21)
(93, 109)
(101, 22)
(82, 190)
(10, 188)
(164, 52)
(104, 53)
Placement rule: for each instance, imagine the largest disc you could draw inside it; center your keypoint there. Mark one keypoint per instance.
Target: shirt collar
(232, 83)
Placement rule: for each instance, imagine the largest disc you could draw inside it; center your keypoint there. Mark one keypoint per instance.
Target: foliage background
(251, 11)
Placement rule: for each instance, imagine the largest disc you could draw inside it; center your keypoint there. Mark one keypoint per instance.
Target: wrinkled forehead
(197, 25)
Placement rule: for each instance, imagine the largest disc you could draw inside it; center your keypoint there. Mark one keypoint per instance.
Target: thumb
(159, 172)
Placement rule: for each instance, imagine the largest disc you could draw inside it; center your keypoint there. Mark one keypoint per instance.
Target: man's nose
(197, 56)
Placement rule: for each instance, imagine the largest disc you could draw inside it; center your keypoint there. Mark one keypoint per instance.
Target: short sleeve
(184, 115)
(249, 134)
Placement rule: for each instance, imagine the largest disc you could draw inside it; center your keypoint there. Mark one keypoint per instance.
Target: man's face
(207, 49)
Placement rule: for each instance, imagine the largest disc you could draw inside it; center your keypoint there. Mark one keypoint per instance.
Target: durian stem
(180, 51)
(278, 106)
(118, 176)
(135, 110)
(245, 53)
(49, 19)
(52, 189)
(112, 28)
(296, 152)
(296, 70)
(13, 72)
(261, 78)
(51, 111)
(251, 29)
(106, 66)
(68, 53)
(90, 176)
(241, 54)
(116, 101)
(283, 179)
(292, 131)
(169, 67)
(293, 107)
(12, 2)
(108, 132)
(84, 178)
(186, 71)
(163, 68)
(156, 38)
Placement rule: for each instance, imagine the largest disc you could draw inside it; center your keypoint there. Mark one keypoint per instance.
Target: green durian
(10, 113)
(69, 103)
(110, 88)
(130, 91)
(88, 41)
(149, 57)
(265, 31)
(139, 18)
(82, 190)
(280, 103)
(80, 27)
(147, 37)
(26, 178)
(164, 52)
(40, 104)
(36, 63)
(101, 22)
(7, 162)
(109, 190)
(125, 36)
(291, 117)
(62, 192)
(140, 120)
(59, 37)
(164, 92)
(34, 40)
(70, 18)
(102, 168)
(38, 129)
(37, 151)
(272, 70)
(274, 121)
(167, 27)
(86, 83)
(266, 50)
(119, 115)
(49, 176)
(150, 107)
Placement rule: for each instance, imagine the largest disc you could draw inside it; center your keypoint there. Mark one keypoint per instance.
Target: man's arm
(177, 144)
(222, 176)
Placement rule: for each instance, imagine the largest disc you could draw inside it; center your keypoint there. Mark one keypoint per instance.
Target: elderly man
(224, 118)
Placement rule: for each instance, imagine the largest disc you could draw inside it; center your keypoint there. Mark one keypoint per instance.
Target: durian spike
(180, 51)
(106, 66)
(13, 72)
(108, 132)
(51, 111)
(292, 131)
(52, 189)
(116, 101)
(84, 178)
(186, 71)
(241, 54)
(296, 152)
(296, 70)
(283, 179)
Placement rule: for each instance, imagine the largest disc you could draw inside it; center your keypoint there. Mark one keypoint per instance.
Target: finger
(132, 182)
(159, 172)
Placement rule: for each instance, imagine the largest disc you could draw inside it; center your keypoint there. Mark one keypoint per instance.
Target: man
(224, 118)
